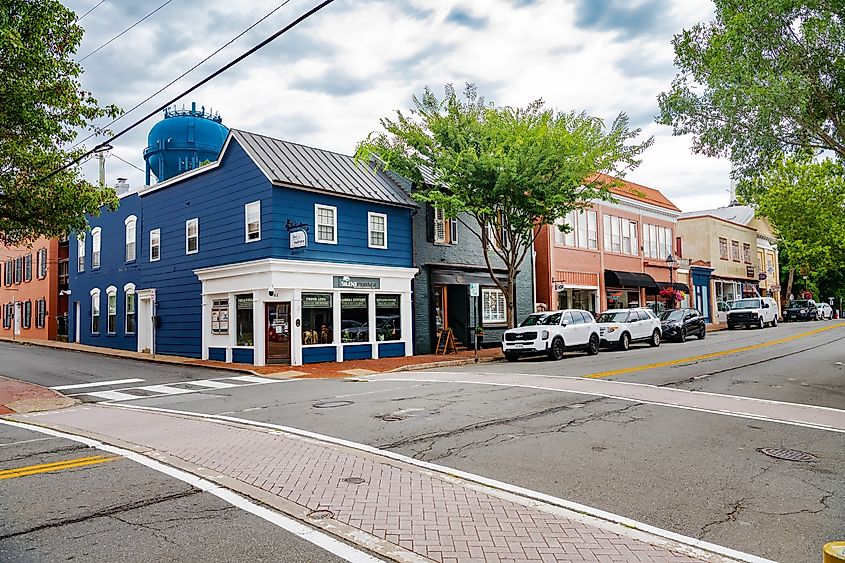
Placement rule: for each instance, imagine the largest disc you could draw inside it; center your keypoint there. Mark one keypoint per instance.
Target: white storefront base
(288, 280)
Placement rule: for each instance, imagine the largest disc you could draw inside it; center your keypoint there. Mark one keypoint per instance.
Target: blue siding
(391, 350)
(217, 354)
(243, 355)
(358, 352)
(114, 270)
(313, 355)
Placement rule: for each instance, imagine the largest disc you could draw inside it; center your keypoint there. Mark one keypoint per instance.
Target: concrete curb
(444, 364)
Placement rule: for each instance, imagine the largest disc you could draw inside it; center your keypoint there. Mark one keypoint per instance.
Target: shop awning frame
(677, 285)
(615, 278)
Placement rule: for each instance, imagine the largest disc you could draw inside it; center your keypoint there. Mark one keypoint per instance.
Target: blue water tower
(182, 140)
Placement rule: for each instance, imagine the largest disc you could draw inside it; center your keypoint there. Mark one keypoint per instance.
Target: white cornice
(301, 266)
(623, 203)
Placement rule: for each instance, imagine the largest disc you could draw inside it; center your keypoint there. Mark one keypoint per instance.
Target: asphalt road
(118, 510)
(692, 472)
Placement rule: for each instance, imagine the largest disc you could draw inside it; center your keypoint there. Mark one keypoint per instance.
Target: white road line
(112, 395)
(211, 384)
(312, 535)
(166, 389)
(96, 384)
(253, 379)
(575, 511)
(25, 442)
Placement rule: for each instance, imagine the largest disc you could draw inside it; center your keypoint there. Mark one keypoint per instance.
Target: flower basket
(671, 294)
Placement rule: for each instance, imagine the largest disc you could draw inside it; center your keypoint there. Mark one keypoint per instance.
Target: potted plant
(479, 335)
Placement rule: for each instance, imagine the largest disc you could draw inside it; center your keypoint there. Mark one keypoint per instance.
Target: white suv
(620, 327)
(752, 311)
(552, 333)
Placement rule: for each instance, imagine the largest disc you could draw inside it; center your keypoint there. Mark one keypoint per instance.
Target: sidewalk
(323, 370)
(22, 397)
(391, 505)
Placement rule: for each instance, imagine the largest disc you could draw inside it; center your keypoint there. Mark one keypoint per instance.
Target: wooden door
(278, 333)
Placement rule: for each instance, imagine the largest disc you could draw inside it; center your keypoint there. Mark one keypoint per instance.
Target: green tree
(509, 169)
(763, 78)
(43, 107)
(805, 201)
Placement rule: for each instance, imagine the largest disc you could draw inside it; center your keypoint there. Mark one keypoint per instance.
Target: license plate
(518, 345)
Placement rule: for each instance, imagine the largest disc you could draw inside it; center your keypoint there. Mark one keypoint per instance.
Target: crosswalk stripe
(252, 379)
(211, 384)
(112, 395)
(165, 389)
(96, 384)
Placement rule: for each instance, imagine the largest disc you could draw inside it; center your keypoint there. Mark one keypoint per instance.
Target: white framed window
(252, 219)
(583, 229)
(80, 252)
(192, 236)
(325, 217)
(129, 300)
(95, 311)
(96, 234)
(155, 245)
(657, 241)
(493, 310)
(445, 230)
(129, 253)
(620, 235)
(111, 309)
(377, 230)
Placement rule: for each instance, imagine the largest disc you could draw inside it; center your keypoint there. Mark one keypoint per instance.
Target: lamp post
(671, 262)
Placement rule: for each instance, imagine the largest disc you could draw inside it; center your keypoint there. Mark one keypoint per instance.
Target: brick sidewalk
(434, 515)
(21, 397)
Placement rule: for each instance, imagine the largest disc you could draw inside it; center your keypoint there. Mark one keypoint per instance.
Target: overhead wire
(105, 144)
(127, 162)
(124, 31)
(181, 76)
(91, 10)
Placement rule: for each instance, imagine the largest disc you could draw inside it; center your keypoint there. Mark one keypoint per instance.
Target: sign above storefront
(316, 300)
(749, 271)
(298, 239)
(348, 282)
(353, 301)
(387, 301)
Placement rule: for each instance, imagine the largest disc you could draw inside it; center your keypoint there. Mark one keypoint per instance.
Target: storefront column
(259, 327)
(407, 323)
(296, 328)
(205, 325)
(371, 320)
(233, 326)
(338, 330)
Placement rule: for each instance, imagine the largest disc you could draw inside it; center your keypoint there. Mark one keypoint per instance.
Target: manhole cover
(788, 455)
(320, 514)
(390, 417)
(354, 480)
(331, 404)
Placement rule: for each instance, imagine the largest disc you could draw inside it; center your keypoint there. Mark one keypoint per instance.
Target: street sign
(762, 276)
(473, 290)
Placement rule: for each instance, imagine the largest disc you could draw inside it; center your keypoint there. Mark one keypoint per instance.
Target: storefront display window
(246, 329)
(317, 319)
(354, 317)
(388, 319)
(493, 306)
(220, 316)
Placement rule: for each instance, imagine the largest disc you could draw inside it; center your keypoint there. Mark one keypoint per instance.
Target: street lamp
(671, 262)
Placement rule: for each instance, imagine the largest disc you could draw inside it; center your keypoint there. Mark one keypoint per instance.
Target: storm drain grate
(354, 480)
(788, 455)
(390, 417)
(320, 514)
(331, 404)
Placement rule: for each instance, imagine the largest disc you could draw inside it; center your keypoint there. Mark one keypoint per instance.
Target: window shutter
(429, 222)
(453, 231)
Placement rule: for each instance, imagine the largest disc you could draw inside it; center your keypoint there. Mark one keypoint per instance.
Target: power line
(216, 73)
(127, 162)
(181, 76)
(124, 31)
(91, 10)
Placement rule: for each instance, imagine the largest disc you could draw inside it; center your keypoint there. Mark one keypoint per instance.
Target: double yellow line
(56, 466)
(712, 354)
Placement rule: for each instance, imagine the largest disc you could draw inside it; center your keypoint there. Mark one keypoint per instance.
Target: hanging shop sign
(749, 271)
(298, 239)
(349, 282)
(316, 300)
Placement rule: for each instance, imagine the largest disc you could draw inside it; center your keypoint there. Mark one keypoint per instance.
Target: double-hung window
(493, 310)
(192, 236)
(40, 313)
(96, 234)
(111, 309)
(377, 230)
(155, 245)
(80, 252)
(252, 218)
(42, 263)
(735, 250)
(657, 241)
(129, 296)
(325, 217)
(26, 320)
(129, 252)
(746, 253)
(95, 311)
(18, 269)
(27, 271)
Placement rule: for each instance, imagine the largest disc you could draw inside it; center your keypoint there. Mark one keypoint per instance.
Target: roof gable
(638, 192)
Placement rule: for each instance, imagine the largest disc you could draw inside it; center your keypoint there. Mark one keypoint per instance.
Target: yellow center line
(712, 354)
(57, 466)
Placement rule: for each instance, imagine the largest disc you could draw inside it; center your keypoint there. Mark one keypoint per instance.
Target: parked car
(680, 323)
(552, 333)
(825, 311)
(752, 312)
(620, 327)
(801, 310)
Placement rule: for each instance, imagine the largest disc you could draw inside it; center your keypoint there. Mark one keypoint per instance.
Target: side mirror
(765, 305)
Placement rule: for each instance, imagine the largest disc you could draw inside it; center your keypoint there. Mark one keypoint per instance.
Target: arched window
(95, 311)
(111, 303)
(95, 247)
(130, 223)
(129, 294)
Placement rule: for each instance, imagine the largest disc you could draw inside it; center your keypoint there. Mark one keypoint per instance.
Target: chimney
(121, 186)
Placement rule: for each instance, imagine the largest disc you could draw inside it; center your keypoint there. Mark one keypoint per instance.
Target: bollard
(833, 552)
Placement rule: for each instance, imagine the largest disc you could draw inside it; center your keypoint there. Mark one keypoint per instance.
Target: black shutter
(429, 222)
(453, 231)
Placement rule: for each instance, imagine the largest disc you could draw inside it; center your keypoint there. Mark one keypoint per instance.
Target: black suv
(801, 310)
(677, 324)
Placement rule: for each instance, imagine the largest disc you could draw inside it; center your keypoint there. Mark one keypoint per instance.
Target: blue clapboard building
(275, 252)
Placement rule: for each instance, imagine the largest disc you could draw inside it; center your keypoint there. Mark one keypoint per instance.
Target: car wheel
(682, 336)
(702, 333)
(775, 321)
(557, 350)
(593, 346)
(655, 338)
(624, 341)
(511, 357)
(731, 327)
(760, 323)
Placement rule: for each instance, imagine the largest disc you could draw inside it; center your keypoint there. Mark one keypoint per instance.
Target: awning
(613, 278)
(453, 276)
(679, 286)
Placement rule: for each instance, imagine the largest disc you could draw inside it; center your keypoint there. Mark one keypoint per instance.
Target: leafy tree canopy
(763, 78)
(508, 169)
(43, 107)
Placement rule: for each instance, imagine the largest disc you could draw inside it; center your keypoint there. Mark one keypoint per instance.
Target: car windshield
(613, 317)
(552, 319)
(672, 316)
(799, 303)
(533, 320)
(745, 304)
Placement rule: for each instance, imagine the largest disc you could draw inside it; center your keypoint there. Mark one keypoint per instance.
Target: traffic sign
(473, 290)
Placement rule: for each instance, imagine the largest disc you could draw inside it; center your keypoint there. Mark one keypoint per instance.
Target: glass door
(278, 333)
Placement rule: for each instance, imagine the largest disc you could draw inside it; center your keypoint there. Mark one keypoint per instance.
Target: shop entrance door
(278, 333)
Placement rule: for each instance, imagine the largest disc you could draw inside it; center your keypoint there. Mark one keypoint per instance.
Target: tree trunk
(789, 281)
(510, 300)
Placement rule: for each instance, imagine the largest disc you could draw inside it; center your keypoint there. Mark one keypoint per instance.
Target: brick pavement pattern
(434, 517)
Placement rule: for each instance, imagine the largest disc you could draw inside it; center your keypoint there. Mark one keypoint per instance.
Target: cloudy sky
(327, 82)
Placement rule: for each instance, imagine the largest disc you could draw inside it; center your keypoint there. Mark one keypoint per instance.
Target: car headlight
(545, 335)
(612, 328)
(803, 310)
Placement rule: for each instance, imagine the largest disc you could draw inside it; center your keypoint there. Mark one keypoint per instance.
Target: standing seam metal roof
(319, 169)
